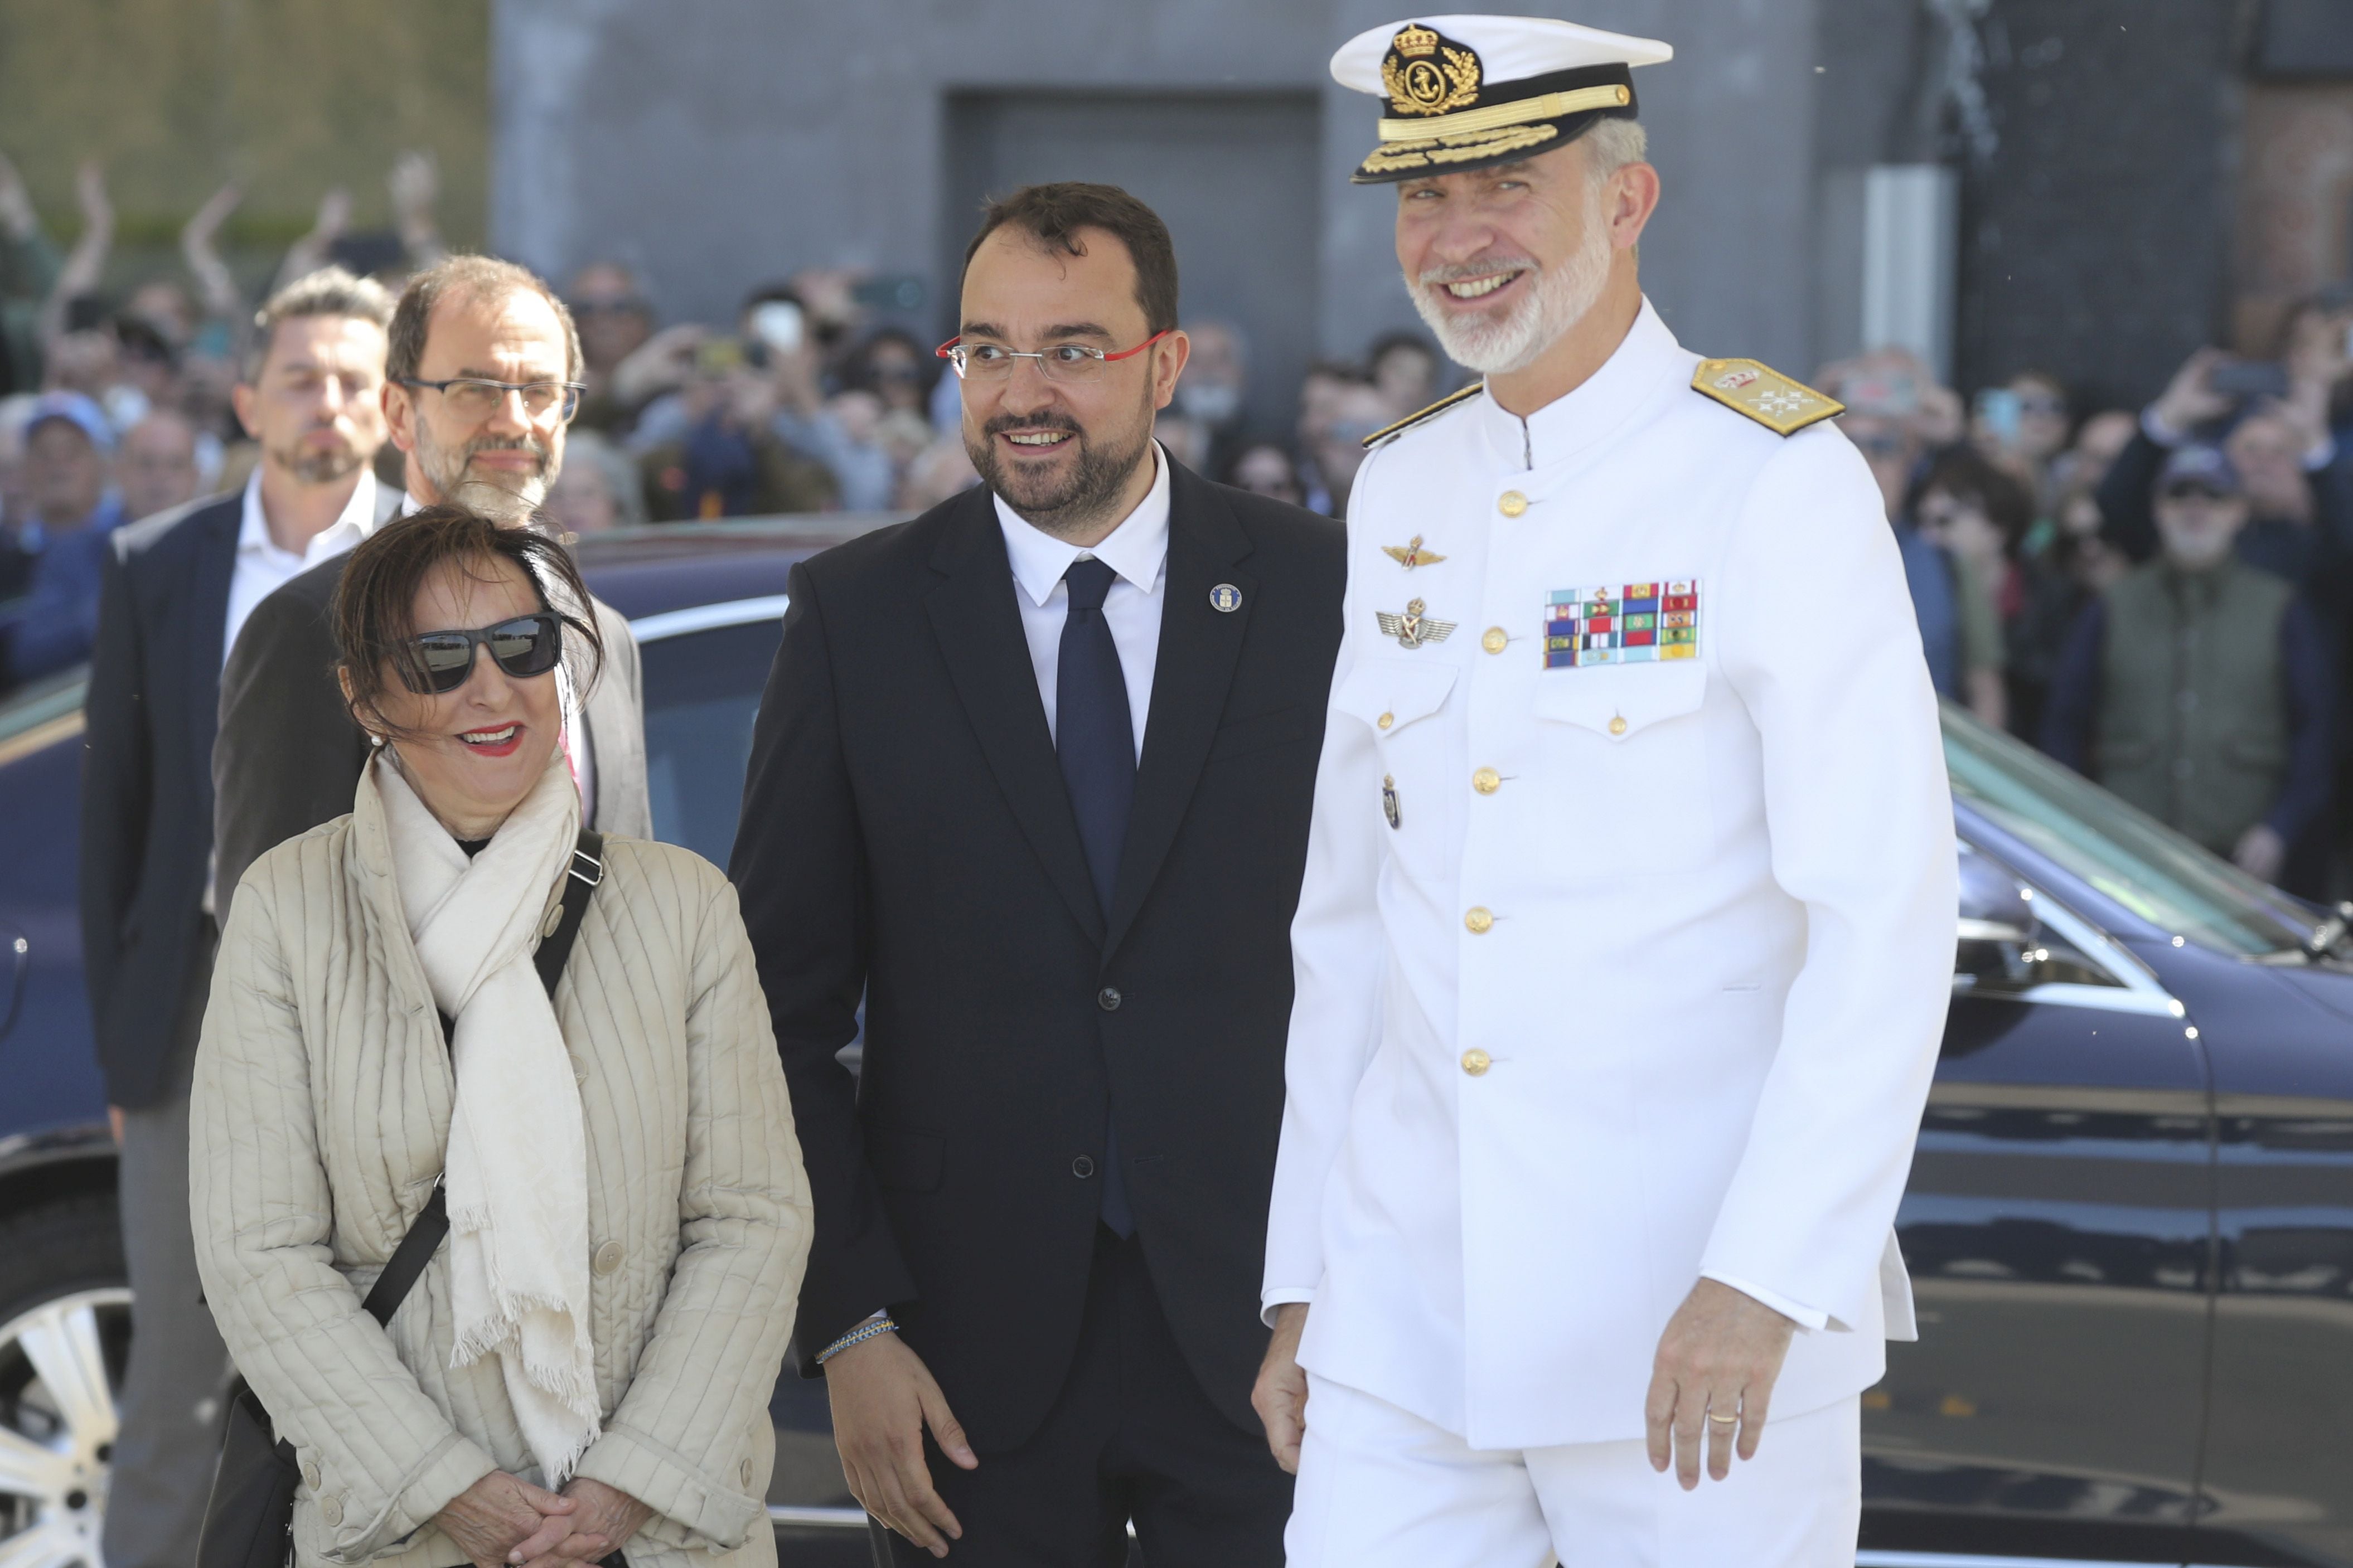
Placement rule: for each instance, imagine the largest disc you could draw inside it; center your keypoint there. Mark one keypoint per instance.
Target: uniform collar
(353, 524)
(1571, 424)
(1137, 549)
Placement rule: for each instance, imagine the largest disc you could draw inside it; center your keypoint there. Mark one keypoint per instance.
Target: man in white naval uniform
(1627, 933)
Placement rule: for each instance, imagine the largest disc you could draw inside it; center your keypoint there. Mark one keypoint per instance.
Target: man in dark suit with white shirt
(1031, 779)
(176, 588)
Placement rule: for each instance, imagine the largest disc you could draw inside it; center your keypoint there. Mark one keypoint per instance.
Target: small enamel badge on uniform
(1389, 800)
(1414, 628)
(1633, 622)
(1225, 598)
(1411, 554)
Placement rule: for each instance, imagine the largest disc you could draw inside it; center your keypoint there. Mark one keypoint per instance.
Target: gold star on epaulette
(1411, 554)
(1765, 395)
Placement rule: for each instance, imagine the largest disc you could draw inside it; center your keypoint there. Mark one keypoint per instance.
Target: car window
(702, 691)
(2006, 947)
(2144, 866)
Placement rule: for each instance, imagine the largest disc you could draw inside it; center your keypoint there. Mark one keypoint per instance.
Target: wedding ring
(1727, 1420)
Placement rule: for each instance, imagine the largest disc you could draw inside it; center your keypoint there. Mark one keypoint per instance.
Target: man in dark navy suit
(174, 590)
(1033, 778)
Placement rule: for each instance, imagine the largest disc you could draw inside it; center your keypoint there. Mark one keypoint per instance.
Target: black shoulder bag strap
(249, 1516)
(424, 1239)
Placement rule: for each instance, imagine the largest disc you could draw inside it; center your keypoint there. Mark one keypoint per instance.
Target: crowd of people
(2059, 555)
(2158, 598)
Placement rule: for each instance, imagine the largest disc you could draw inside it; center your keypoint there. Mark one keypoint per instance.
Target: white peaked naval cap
(1463, 93)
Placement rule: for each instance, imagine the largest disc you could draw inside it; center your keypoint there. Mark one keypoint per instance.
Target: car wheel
(65, 1337)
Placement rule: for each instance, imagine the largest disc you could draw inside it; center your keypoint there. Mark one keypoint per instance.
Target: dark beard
(318, 467)
(1078, 502)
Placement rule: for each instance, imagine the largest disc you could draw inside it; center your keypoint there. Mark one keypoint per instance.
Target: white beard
(1558, 299)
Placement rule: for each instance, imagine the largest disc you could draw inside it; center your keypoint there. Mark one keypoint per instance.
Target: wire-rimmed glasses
(1056, 361)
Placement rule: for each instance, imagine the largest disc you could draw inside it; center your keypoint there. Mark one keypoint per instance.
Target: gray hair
(1611, 144)
(329, 291)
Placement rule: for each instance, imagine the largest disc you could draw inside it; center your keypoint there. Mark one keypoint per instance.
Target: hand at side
(884, 1396)
(1279, 1395)
(1719, 1357)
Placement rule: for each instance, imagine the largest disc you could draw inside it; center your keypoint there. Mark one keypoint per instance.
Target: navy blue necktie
(1095, 739)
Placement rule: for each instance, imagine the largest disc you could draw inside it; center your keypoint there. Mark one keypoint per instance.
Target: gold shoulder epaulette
(1765, 395)
(1410, 420)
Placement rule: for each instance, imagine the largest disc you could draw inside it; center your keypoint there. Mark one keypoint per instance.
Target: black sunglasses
(439, 662)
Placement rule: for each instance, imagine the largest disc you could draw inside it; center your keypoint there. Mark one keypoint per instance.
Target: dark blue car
(2129, 1224)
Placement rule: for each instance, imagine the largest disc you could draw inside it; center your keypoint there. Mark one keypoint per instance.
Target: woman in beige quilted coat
(584, 1369)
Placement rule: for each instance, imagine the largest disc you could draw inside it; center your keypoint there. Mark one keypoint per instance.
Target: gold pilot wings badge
(1414, 628)
(1765, 395)
(1411, 554)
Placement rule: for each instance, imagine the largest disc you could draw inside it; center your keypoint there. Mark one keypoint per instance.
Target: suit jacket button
(1108, 998)
(1082, 1167)
(608, 1259)
(1486, 781)
(1617, 725)
(1512, 503)
(1479, 919)
(1496, 640)
(1476, 1062)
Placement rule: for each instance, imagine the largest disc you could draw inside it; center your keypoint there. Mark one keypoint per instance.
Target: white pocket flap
(1390, 693)
(1621, 701)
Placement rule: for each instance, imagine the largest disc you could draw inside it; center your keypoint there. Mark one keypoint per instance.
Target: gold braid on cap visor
(1497, 117)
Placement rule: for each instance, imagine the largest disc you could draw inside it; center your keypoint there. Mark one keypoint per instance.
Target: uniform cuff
(1805, 1316)
(713, 1510)
(1280, 1296)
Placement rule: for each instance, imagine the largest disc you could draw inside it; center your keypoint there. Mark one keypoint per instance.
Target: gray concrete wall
(718, 143)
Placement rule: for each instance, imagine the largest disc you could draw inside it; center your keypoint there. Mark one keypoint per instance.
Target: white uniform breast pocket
(1624, 756)
(1402, 704)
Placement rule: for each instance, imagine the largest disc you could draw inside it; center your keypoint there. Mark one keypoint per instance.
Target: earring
(376, 739)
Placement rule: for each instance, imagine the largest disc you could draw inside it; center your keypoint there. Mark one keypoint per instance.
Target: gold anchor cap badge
(1414, 628)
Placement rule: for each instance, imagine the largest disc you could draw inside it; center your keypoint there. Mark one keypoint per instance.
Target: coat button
(309, 1475)
(1108, 998)
(1386, 719)
(1476, 1062)
(608, 1259)
(1479, 920)
(547, 927)
(331, 1509)
(1512, 503)
(1084, 1166)
(1618, 724)
(1495, 640)
(745, 1470)
(1486, 781)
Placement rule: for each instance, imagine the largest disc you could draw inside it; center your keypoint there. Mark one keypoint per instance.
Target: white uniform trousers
(1382, 1489)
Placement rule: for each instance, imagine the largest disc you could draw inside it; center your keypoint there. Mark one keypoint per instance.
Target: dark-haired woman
(584, 1367)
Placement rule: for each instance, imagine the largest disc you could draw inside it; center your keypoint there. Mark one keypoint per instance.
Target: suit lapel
(979, 630)
(206, 607)
(1200, 645)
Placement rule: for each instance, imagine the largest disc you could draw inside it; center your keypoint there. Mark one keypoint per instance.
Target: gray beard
(509, 503)
(1562, 294)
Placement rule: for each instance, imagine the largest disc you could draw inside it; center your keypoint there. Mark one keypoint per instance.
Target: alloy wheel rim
(58, 1426)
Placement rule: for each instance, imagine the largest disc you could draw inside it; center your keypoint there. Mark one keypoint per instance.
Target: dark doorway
(1234, 175)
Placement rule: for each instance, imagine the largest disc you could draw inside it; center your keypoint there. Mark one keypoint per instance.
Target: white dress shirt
(262, 568)
(1137, 549)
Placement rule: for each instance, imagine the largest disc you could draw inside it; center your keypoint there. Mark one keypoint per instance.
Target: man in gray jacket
(483, 378)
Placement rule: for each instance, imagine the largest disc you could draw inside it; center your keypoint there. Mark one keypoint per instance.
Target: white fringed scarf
(517, 1174)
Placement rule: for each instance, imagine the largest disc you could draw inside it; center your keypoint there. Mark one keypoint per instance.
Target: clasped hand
(504, 1521)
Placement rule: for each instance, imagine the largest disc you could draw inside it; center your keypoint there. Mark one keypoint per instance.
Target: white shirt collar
(1594, 409)
(1137, 549)
(353, 524)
